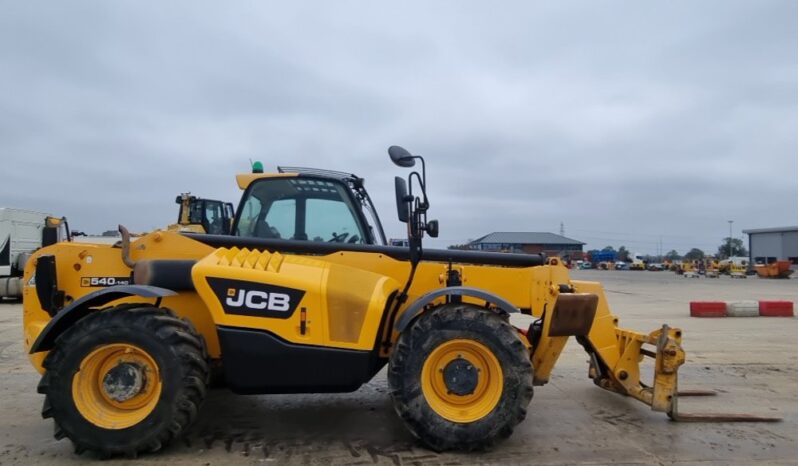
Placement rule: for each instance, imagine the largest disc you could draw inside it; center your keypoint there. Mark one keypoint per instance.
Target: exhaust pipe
(126, 247)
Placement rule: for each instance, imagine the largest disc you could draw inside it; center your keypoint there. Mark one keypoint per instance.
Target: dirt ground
(752, 362)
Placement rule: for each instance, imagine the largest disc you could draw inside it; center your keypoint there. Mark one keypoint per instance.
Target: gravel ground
(752, 362)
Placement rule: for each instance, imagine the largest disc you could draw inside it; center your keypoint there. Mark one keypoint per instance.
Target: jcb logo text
(254, 299)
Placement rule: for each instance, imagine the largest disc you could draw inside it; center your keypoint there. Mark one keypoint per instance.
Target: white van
(21, 233)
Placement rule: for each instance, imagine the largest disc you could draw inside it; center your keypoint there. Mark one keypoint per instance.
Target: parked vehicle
(125, 368)
(199, 215)
(637, 263)
(778, 269)
(21, 233)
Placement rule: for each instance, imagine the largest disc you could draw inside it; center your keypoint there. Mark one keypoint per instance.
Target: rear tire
(434, 391)
(170, 361)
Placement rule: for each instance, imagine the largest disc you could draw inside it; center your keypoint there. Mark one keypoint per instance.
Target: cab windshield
(301, 208)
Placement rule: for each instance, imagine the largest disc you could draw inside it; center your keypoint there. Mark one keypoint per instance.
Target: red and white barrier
(776, 309)
(741, 309)
(707, 309)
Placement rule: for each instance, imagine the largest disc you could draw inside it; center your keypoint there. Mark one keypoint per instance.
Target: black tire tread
(187, 345)
(433, 430)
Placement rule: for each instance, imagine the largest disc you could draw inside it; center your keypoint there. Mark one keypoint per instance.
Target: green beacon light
(257, 167)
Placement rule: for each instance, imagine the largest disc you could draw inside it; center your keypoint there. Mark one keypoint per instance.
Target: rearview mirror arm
(423, 178)
(422, 184)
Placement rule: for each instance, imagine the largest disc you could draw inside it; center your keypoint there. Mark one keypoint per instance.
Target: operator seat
(264, 230)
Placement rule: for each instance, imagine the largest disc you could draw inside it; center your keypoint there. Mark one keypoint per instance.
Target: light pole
(730, 237)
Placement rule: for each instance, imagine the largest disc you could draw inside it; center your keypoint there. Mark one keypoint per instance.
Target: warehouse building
(530, 243)
(767, 245)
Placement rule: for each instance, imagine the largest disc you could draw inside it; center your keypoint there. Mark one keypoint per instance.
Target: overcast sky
(627, 121)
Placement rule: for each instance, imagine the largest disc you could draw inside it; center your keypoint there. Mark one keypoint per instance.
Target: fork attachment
(623, 375)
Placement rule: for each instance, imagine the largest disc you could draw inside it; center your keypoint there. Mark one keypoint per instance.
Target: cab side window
(249, 216)
(280, 220)
(330, 220)
(214, 218)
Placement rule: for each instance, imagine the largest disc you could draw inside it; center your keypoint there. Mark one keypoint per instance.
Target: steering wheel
(338, 238)
(353, 239)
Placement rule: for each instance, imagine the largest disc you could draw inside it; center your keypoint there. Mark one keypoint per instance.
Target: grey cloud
(635, 120)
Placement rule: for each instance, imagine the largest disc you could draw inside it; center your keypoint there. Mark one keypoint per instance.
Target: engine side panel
(299, 299)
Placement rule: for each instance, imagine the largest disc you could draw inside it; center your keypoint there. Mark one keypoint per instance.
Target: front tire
(460, 378)
(125, 380)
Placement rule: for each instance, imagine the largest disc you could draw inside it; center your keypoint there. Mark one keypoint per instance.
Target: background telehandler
(199, 215)
(303, 296)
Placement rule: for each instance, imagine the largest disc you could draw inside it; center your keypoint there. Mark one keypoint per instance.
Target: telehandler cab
(305, 297)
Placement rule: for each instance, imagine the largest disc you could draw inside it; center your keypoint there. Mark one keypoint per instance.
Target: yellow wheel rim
(484, 392)
(112, 410)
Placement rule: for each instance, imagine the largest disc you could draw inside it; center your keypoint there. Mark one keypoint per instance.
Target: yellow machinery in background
(738, 270)
(687, 268)
(708, 267)
(712, 268)
(198, 215)
(303, 296)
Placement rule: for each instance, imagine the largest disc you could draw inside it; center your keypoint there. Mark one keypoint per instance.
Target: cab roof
(245, 179)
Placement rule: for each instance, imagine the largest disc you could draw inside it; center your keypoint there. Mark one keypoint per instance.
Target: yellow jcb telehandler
(198, 215)
(304, 297)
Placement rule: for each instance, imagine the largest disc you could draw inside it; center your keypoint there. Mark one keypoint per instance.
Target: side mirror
(401, 157)
(432, 228)
(402, 206)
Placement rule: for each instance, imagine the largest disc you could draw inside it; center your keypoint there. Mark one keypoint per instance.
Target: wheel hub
(123, 382)
(461, 377)
(117, 386)
(462, 380)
